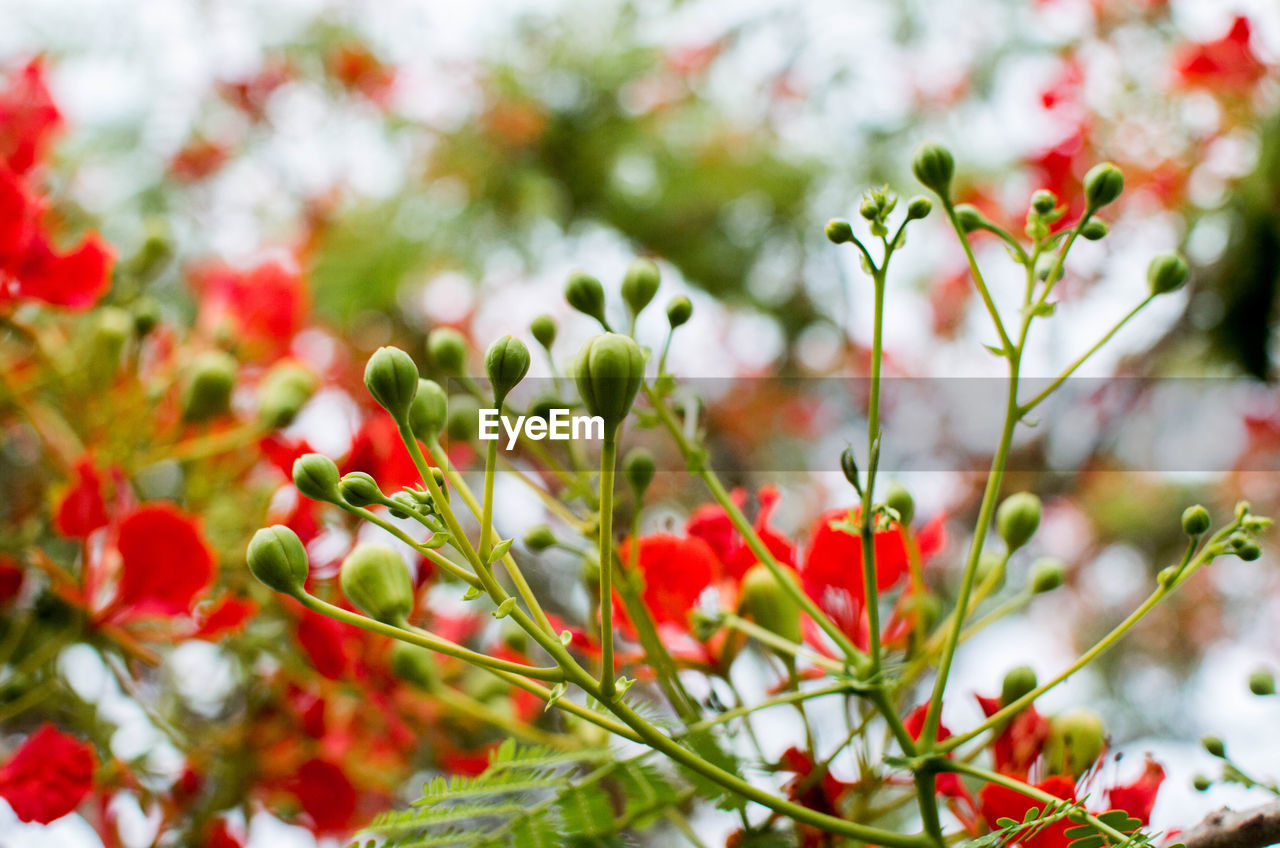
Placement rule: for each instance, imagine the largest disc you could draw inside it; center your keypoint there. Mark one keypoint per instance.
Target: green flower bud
(1043, 202)
(463, 423)
(919, 207)
(539, 538)
(1195, 520)
(969, 218)
(277, 558)
(1048, 264)
(608, 372)
(849, 467)
(1249, 550)
(869, 210)
(207, 393)
(1214, 746)
(316, 476)
(1094, 229)
(679, 311)
(1047, 574)
(900, 501)
(933, 167)
(1017, 519)
(415, 665)
(638, 468)
(506, 362)
(839, 231)
(374, 578)
(447, 351)
(283, 392)
(1167, 272)
(640, 285)
(360, 489)
(990, 563)
(766, 601)
(1201, 783)
(1102, 185)
(1076, 740)
(429, 412)
(112, 328)
(543, 329)
(392, 378)
(146, 315)
(1262, 682)
(1018, 682)
(586, 295)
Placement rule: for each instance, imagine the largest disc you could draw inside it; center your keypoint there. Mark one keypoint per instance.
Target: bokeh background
(409, 165)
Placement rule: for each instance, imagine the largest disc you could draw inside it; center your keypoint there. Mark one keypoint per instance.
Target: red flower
(359, 71)
(20, 212)
(198, 159)
(711, 523)
(1138, 798)
(223, 617)
(832, 572)
(264, 307)
(325, 642)
(166, 562)
(76, 279)
(999, 802)
(220, 835)
(1228, 64)
(378, 450)
(326, 795)
(676, 572)
(1020, 742)
(49, 776)
(28, 118)
(11, 577)
(82, 509)
(948, 784)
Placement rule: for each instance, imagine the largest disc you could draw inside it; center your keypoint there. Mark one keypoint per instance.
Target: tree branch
(1256, 827)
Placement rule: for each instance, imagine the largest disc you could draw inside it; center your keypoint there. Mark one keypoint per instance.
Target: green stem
(608, 673)
(1071, 369)
(486, 514)
(428, 640)
(978, 280)
(871, 590)
(465, 705)
(430, 553)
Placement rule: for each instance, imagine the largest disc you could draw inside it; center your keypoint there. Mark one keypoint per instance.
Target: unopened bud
(1201, 783)
(900, 501)
(933, 167)
(1102, 185)
(608, 372)
(429, 412)
(1095, 229)
(539, 538)
(1262, 682)
(918, 208)
(1249, 550)
(463, 423)
(374, 578)
(766, 601)
(392, 379)
(839, 231)
(1167, 272)
(1017, 519)
(284, 390)
(1017, 682)
(1214, 746)
(360, 489)
(1047, 574)
(640, 285)
(277, 558)
(415, 665)
(543, 329)
(585, 294)
(447, 351)
(146, 315)
(316, 477)
(1195, 520)
(969, 218)
(638, 468)
(1076, 740)
(1043, 201)
(207, 393)
(506, 362)
(679, 311)
(849, 466)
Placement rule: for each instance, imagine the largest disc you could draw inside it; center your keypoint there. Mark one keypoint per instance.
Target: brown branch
(1256, 827)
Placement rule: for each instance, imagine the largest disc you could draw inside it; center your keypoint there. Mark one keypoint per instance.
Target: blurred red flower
(220, 835)
(834, 558)
(998, 802)
(166, 562)
(1228, 64)
(677, 570)
(262, 307)
(326, 795)
(1139, 798)
(28, 118)
(82, 510)
(1020, 742)
(711, 523)
(49, 775)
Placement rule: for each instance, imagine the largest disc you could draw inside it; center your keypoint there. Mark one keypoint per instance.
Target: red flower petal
(999, 802)
(28, 118)
(167, 562)
(676, 572)
(223, 617)
(220, 835)
(263, 306)
(82, 509)
(49, 776)
(1138, 798)
(76, 279)
(326, 795)
(11, 576)
(325, 642)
